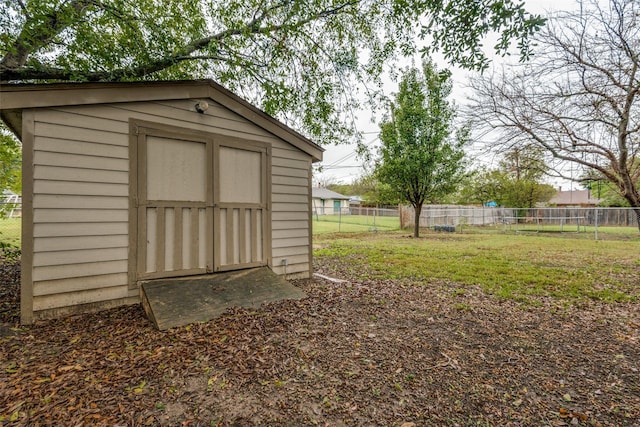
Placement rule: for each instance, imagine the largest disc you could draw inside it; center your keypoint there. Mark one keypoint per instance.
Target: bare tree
(579, 98)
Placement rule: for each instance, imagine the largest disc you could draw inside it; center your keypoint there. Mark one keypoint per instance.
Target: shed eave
(26, 96)
(13, 120)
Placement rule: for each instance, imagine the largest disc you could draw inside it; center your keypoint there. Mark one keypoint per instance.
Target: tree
(421, 157)
(524, 163)
(604, 190)
(525, 193)
(523, 168)
(478, 187)
(579, 98)
(301, 60)
(517, 182)
(505, 189)
(10, 162)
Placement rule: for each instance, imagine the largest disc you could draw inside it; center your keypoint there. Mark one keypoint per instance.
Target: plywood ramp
(177, 302)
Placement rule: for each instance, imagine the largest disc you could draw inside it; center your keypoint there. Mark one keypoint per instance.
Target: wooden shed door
(201, 203)
(241, 223)
(174, 205)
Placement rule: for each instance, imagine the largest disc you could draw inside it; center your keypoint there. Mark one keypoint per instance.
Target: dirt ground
(365, 353)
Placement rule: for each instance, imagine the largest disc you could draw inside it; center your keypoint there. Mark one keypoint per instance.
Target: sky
(340, 162)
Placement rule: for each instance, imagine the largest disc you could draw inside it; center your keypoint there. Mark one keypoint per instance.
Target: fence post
(374, 217)
(596, 222)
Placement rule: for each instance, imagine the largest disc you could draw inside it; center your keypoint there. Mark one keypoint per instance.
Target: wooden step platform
(180, 301)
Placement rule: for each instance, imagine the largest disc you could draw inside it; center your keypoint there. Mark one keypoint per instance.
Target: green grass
(510, 266)
(10, 229)
(323, 224)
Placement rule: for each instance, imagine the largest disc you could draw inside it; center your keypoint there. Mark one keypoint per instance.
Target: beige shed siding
(80, 200)
(74, 284)
(80, 197)
(290, 212)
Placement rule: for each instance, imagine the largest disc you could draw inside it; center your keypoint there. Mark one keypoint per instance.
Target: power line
(341, 167)
(350, 155)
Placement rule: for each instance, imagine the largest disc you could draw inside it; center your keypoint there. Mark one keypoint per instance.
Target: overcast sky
(340, 163)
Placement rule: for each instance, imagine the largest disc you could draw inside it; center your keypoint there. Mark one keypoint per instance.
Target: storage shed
(128, 182)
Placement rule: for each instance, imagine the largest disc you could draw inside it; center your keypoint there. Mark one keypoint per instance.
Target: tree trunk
(416, 220)
(631, 195)
(636, 209)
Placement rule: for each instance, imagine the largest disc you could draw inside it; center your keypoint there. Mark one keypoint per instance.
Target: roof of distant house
(326, 194)
(574, 197)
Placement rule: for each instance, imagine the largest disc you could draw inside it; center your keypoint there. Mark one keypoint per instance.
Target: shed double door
(201, 203)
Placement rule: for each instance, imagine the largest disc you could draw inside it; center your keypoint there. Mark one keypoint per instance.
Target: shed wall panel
(80, 175)
(290, 232)
(289, 189)
(293, 260)
(56, 244)
(290, 250)
(290, 207)
(47, 287)
(287, 180)
(80, 215)
(79, 147)
(74, 117)
(79, 188)
(53, 229)
(53, 272)
(289, 216)
(81, 133)
(286, 225)
(289, 163)
(290, 198)
(289, 153)
(72, 257)
(293, 271)
(80, 161)
(79, 297)
(66, 201)
(290, 172)
(287, 242)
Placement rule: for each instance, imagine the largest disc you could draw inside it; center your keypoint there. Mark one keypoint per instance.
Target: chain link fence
(453, 218)
(354, 219)
(547, 219)
(463, 215)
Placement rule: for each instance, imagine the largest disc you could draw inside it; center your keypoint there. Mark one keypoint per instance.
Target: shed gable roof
(14, 98)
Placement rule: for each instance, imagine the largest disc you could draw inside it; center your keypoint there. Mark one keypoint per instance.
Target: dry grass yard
(444, 330)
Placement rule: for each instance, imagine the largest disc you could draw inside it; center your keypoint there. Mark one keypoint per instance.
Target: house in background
(355, 201)
(129, 182)
(327, 202)
(573, 198)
